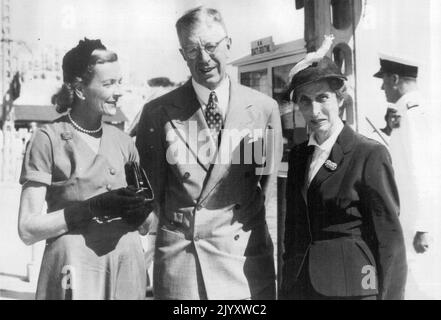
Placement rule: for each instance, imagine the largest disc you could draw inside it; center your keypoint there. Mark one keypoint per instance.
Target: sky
(142, 32)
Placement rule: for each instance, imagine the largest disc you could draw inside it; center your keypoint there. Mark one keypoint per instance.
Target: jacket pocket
(366, 251)
(341, 268)
(361, 269)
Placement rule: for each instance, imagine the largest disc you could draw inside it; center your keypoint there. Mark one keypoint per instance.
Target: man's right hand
(421, 242)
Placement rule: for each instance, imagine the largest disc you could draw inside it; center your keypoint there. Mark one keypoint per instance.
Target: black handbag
(137, 178)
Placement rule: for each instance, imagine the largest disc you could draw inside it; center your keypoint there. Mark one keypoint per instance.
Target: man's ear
(395, 78)
(182, 54)
(229, 43)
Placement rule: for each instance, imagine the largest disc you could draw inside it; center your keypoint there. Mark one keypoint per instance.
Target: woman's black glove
(115, 203)
(135, 217)
(112, 204)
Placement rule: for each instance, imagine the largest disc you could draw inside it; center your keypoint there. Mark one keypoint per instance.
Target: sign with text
(262, 45)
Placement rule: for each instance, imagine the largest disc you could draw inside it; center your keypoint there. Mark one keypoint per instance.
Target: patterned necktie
(213, 115)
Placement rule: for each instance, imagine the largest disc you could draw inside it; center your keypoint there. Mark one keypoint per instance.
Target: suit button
(237, 206)
(236, 237)
(196, 238)
(186, 175)
(112, 171)
(199, 207)
(109, 187)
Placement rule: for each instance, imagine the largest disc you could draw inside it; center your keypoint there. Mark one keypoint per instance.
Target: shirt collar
(328, 143)
(203, 93)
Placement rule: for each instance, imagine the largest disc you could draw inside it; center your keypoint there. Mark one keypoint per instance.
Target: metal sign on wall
(262, 45)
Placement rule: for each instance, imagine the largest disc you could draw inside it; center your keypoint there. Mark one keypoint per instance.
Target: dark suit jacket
(345, 228)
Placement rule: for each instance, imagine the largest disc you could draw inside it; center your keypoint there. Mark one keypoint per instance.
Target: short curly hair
(65, 97)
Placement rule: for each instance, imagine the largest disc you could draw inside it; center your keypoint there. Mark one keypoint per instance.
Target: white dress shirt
(222, 94)
(322, 151)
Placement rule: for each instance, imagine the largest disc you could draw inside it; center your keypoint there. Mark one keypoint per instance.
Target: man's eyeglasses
(192, 52)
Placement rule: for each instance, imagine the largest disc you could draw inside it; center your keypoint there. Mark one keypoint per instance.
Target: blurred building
(266, 69)
(26, 116)
(363, 29)
(156, 87)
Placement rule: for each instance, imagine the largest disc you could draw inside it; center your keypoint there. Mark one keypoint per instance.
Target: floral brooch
(67, 135)
(330, 165)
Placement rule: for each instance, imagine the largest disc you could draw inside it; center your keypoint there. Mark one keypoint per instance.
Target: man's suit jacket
(212, 229)
(345, 226)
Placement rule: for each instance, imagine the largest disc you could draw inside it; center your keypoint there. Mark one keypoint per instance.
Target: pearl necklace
(81, 129)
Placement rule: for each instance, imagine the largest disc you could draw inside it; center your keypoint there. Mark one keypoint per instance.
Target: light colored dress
(101, 260)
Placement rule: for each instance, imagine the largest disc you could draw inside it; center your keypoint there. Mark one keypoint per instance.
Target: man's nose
(316, 108)
(203, 55)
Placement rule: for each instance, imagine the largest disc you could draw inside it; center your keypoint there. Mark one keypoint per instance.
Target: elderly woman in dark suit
(343, 239)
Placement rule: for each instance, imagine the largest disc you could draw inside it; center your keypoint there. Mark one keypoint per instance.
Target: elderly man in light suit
(211, 149)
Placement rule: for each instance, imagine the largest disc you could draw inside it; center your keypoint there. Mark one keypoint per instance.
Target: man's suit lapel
(239, 117)
(342, 146)
(188, 120)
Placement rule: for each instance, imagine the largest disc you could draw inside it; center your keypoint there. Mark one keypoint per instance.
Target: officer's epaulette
(411, 105)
